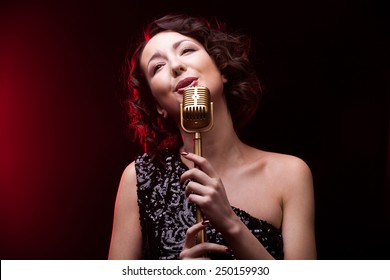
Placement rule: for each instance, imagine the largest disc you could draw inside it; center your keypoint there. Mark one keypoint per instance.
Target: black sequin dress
(165, 213)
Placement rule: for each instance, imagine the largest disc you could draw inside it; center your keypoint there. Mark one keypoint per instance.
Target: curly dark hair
(229, 51)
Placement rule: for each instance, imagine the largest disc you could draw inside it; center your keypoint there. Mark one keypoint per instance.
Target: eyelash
(156, 67)
(185, 50)
(159, 65)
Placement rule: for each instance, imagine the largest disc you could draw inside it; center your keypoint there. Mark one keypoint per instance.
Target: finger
(195, 174)
(193, 253)
(199, 200)
(201, 162)
(190, 240)
(195, 187)
(201, 251)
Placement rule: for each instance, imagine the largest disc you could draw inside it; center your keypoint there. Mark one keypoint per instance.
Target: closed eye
(187, 50)
(157, 67)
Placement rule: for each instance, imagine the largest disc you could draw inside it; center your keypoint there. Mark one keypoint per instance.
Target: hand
(206, 190)
(191, 250)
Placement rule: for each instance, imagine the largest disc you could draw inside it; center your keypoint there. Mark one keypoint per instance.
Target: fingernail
(230, 251)
(205, 222)
(184, 153)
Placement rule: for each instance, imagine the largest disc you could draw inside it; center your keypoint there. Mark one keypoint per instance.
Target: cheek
(212, 70)
(215, 80)
(158, 86)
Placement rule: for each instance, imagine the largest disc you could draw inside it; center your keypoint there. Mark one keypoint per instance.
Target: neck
(218, 145)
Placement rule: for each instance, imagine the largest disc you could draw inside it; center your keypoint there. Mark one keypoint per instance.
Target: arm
(126, 236)
(294, 182)
(207, 191)
(298, 228)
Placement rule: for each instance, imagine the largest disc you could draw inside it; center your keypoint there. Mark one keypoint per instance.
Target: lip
(185, 83)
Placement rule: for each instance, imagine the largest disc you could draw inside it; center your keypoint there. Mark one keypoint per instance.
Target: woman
(257, 204)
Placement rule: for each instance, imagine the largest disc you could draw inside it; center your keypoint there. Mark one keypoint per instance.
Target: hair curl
(229, 51)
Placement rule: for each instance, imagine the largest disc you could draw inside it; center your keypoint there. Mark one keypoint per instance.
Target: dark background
(63, 139)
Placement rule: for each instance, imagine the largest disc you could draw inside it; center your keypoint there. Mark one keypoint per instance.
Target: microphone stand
(196, 122)
(201, 237)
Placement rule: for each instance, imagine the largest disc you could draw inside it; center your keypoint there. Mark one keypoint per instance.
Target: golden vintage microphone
(196, 116)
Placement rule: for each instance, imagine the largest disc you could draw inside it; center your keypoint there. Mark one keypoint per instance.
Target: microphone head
(196, 110)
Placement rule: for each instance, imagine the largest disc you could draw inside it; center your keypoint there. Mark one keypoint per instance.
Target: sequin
(165, 213)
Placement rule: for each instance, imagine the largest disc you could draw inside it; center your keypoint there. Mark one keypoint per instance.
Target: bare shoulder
(129, 174)
(127, 185)
(289, 182)
(289, 171)
(285, 163)
(289, 164)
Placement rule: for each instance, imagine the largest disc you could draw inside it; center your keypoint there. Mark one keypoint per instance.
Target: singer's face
(172, 62)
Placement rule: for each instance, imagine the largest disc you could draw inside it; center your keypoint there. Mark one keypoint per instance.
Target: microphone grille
(196, 108)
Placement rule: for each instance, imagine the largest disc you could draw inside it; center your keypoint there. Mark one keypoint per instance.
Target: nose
(178, 67)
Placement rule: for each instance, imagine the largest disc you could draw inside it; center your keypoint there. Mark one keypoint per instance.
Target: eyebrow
(174, 46)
